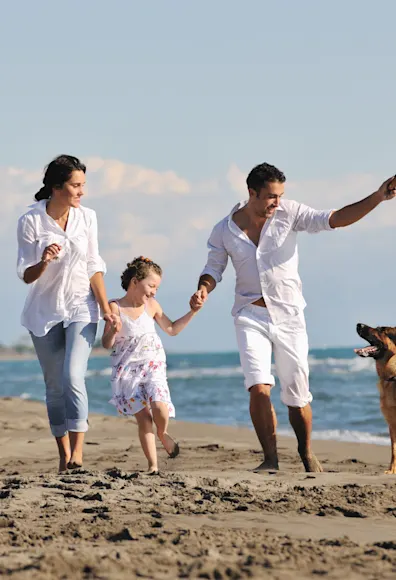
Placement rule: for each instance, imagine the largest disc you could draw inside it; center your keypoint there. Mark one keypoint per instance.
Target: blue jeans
(63, 355)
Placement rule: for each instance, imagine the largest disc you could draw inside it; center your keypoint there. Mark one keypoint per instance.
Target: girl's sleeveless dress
(138, 366)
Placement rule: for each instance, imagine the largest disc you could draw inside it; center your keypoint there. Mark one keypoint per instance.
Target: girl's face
(145, 289)
(72, 190)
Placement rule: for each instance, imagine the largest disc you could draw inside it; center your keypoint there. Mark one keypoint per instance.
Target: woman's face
(72, 190)
(145, 289)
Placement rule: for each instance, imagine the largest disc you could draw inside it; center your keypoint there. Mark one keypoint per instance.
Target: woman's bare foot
(311, 463)
(171, 447)
(76, 462)
(267, 465)
(63, 461)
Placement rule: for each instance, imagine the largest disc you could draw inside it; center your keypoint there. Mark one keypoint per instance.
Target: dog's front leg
(392, 467)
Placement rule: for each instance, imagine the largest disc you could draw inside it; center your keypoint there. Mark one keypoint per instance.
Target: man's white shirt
(269, 270)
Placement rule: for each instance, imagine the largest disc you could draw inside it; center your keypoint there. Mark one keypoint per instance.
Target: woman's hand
(51, 253)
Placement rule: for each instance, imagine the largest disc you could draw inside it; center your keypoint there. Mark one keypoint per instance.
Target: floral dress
(138, 366)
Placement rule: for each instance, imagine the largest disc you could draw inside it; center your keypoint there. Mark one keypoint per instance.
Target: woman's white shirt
(63, 292)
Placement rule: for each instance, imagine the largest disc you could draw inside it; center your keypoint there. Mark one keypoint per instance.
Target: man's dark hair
(263, 174)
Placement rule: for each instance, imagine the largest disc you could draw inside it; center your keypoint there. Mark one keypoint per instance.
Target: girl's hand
(196, 306)
(51, 253)
(114, 321)
(198, 299)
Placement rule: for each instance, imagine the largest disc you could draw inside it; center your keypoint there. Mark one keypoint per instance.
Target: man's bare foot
(311, 463)
(267, 465)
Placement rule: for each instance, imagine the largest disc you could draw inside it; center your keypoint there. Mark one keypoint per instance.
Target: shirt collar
(41, 205)
(242, 204)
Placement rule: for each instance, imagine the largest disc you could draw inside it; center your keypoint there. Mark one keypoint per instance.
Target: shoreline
(317, 435)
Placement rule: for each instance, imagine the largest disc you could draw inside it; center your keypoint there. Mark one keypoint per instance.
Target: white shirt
(269, 271)
(63, 292)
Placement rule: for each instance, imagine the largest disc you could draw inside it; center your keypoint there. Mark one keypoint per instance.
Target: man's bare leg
(301, 420)
(264, 421)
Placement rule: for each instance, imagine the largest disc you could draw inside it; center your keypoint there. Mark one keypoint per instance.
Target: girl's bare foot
(153, 472)
(171, 447)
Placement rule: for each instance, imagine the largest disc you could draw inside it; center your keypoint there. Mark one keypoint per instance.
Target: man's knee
(260, 390)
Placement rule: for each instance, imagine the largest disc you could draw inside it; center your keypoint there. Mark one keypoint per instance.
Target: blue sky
(171, 104)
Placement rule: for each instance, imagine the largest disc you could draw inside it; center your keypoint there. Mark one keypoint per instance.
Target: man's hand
(199, 298)
(388, 189)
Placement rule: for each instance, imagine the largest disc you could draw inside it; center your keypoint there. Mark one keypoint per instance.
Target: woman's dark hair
(140, 268)
(57, 173)
(262, 174)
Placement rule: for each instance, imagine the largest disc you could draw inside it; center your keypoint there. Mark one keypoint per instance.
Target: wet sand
(206, 516)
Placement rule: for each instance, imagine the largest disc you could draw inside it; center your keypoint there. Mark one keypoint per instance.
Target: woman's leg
(160, 413)
(147, 438)
(80, 337)
(50, 350)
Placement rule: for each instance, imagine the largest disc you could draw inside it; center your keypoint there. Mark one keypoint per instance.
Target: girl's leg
(80, 337)
(161, 419)
(147, 438)
(50, 350)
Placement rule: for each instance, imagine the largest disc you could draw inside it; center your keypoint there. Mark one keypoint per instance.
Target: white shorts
(257, 337)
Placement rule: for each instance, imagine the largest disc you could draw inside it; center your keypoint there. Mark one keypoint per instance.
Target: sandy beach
(206, 516)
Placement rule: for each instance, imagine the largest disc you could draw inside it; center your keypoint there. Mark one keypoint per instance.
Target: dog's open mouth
(368, 351)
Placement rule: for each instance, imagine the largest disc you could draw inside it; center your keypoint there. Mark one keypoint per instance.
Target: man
(260, 237)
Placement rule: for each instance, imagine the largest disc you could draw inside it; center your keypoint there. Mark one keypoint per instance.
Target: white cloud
(237, 180)
(110, 176)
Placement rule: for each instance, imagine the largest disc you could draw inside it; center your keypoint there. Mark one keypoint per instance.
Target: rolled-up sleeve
(217, 256)
(94, 261)
(312, 220)
(27, 244)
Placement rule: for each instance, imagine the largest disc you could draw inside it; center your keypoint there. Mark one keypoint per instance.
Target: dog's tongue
(366, 351)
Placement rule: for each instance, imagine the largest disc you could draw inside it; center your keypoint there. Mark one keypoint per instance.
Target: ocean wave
(334, 366)
(187, 372)
(345, 435)
(342, 365)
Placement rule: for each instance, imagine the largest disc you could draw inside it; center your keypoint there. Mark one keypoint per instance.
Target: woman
(58, 255)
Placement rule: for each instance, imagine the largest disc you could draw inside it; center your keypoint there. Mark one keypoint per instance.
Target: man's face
(265, 201)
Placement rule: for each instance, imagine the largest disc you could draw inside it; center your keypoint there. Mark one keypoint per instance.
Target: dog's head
(382, 347)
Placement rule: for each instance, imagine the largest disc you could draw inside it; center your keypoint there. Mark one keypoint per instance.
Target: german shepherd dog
(382, 349)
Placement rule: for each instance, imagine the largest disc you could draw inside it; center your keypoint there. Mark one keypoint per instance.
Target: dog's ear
(390, 332)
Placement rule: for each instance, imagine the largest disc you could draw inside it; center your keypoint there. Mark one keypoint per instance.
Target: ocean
(208, 388)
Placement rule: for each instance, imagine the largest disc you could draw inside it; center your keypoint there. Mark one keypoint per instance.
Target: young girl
(138, 379)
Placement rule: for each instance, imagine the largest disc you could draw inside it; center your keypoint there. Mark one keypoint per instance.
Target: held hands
(198, 299)
(388, 189)
(114, 320)
(51, 253)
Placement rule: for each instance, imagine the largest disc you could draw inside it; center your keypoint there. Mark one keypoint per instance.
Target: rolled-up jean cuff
(77, 425)
(296, 401)
(58, 430)
(258, 379)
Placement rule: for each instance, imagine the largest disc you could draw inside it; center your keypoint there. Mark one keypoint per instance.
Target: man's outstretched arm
(356, 211)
